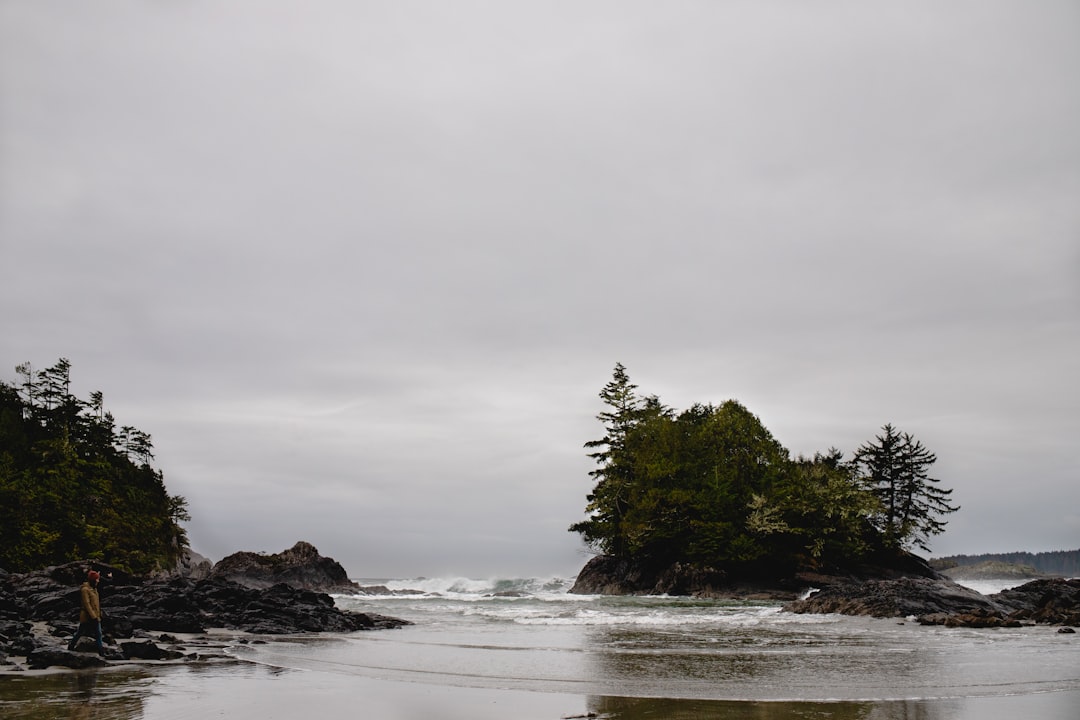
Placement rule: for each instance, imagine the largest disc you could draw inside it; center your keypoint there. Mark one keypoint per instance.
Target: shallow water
(546, 640)
(544, 654)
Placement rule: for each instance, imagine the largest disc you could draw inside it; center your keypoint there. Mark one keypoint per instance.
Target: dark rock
(606, 575)
(190, 565)
(23, 645)
(161, 605)
(942, 602)
(147, 651)
(984, 619)
(50, 656)
(85, 645)
(8, 606)
(171, 604)
(117, 626)
(1066, 630)
(52, 594)
(61, 629)
(301, 566)
(895, 598)
(13, 629)
(1053, 601)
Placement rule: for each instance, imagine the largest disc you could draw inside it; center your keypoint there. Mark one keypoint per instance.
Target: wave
(464, 588)
(645, 616)
(991, 586)
(546, 602)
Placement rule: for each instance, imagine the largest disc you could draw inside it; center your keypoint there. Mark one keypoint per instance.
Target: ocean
(525, 648)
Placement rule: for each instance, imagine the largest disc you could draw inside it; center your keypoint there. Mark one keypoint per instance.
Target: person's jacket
(89, 604)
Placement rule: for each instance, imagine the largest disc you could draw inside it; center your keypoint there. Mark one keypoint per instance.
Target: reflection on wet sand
(89, 695)
(1046, 706)
(742, 663)
(625, 708)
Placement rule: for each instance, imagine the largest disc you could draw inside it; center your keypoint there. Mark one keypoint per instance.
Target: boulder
(301, 566)
(146, 650)
(45, 657)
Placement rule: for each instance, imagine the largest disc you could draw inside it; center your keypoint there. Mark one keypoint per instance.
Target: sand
(244, 691)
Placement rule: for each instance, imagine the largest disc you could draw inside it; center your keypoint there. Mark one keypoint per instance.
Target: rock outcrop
(192, 565)
(301, 567)
(1055, 601)
(941, 602)
(894, 598)
(903, 586)
(607, 575)
(39, 613)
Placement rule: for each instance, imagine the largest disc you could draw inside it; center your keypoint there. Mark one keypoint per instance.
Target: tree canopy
(74, 486)
(710, 485)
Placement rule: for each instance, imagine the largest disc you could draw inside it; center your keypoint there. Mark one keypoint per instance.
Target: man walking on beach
(89, 612)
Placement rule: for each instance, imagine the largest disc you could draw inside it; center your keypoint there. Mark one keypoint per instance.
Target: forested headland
(1058, 562)
(711, 487)
(75, 486)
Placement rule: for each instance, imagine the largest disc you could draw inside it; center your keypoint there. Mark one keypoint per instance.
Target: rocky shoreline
(143, 617)
(1052, 601)
(907, 587)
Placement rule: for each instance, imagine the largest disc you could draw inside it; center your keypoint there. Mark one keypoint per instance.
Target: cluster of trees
(74, 486)
(711, 486)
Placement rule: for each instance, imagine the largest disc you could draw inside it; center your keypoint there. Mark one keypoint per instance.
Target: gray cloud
(360, 269)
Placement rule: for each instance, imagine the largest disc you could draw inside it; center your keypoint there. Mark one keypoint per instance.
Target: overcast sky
(361, 268)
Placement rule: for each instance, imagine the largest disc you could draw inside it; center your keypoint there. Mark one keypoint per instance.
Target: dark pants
(90, 628)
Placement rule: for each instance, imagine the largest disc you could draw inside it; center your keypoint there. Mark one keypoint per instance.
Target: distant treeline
(1058, 562)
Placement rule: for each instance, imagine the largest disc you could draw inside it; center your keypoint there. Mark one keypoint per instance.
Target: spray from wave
(465, 588)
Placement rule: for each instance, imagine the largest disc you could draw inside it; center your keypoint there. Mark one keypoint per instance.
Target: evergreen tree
(609, 499)
(896, 468)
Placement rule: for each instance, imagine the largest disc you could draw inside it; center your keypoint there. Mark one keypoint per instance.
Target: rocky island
(706, 502)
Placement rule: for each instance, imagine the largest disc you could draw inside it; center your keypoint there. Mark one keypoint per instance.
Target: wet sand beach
(248, 691)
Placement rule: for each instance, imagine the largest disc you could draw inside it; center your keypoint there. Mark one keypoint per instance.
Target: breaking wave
(465, 588)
